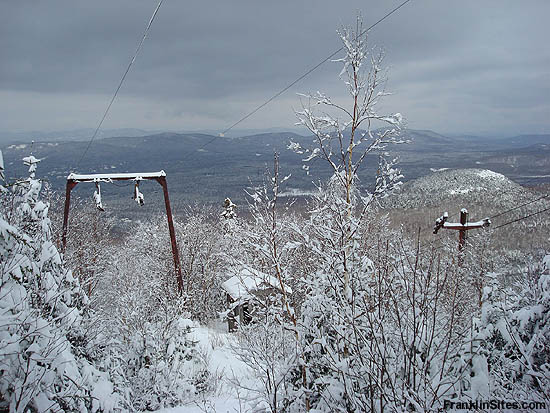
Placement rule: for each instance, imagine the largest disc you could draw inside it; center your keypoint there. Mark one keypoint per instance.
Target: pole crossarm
(469, 225)
(441, 222)
(74, 179)
(461, 226)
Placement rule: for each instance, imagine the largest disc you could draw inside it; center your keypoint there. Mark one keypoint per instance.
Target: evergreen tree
(44, 365)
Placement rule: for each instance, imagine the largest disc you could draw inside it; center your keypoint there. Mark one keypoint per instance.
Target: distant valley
(225, 167)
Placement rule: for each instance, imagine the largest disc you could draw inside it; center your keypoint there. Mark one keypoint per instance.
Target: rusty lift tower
(74, 179)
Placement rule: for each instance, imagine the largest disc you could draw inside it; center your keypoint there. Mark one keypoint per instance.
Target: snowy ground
(215, 341)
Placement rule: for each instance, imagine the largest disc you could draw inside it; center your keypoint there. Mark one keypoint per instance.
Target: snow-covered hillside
(471, 186)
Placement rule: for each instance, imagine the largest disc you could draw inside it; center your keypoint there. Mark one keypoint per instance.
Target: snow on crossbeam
(469, 225)
(115, 177)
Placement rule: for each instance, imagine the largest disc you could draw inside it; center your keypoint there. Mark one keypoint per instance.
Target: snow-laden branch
(344, 135)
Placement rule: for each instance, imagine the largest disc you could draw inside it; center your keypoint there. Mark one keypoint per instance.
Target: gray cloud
(205, 64)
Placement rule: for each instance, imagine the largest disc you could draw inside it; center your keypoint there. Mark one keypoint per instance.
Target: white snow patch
(249, 280)
(297, 192)
(460, 191)
(223, 362)
(546, 264)
(486, 173)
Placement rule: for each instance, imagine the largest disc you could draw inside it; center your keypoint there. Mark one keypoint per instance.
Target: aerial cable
(514, 208)
(307, 73)
(435, 248)
(519, 206)
(428, 244)
(121, 80)
(522, 218)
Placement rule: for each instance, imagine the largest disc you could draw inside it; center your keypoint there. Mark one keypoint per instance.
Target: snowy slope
(216, 344)
(472, 186)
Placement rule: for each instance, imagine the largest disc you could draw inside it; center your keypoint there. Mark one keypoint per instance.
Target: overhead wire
(307, 73)
(145, 33)
(433, 241)
(522, 218)
(511, 221)
(514, 208)
(423, 247)
(520, 206)
(503, 193)
(276, 95)
(429, 243)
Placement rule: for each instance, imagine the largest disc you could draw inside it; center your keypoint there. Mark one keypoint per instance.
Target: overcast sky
(469, 66)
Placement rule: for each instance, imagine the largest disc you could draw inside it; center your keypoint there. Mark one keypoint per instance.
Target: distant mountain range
(8, 138)
(207, 168)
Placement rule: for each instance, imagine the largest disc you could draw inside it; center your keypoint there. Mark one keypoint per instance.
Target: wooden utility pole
(160, 177)
(462, 227)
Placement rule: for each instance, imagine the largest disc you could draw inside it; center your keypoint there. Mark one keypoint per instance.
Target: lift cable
(430, 243)
(522, 218)
(121, 81)
(307, 73)
(520, 206)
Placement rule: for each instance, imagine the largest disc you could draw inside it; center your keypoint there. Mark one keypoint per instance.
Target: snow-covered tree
(513, 334)
(143, 323)
(203, 240)
(90, 236)
(269, 349)
(332, 331)
(44, 362)
(346, 134)
(228, 209)
(383, 325)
